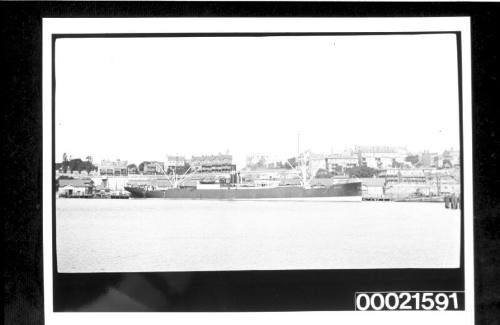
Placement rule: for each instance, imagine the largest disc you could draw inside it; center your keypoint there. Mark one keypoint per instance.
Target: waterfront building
(373, 187)
(132, 169)
(401, 183)
(259, 161)
(75, 187)
(398, 175)
(211, 160)
(444, 184)
(113, 168)
(451, 158)
(154, 168)
(429, 159)
(256, 161)
(338, 163)
(213, 163)
(175, 161)
(380, 157)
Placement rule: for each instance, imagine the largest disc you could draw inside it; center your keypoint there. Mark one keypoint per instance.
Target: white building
(113, 168)
(451, 158)
(175, 161)
(198, 162)
(381, 157)
(154, 168)
(260, 160)
(75, 187)
(373, 187)
(340, 162)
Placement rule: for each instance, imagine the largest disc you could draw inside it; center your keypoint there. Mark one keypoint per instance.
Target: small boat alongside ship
(418, 197)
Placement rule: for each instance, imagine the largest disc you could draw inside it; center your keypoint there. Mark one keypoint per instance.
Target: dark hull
(348, 191)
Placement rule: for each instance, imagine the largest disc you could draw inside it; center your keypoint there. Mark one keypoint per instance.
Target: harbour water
(158, 235)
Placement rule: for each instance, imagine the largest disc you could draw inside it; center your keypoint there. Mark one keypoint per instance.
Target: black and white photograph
(237, 165)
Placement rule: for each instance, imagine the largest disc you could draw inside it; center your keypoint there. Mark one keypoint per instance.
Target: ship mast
(163, 171)
(298, 145)
(175, 169)
(301, 165)
(176, 180)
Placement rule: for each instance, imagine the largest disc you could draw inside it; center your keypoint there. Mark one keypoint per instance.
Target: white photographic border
(220, 25)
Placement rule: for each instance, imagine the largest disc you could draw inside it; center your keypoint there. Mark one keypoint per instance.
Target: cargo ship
(349, 191)
(233, 188)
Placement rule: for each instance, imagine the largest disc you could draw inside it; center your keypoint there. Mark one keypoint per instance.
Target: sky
(141, 99)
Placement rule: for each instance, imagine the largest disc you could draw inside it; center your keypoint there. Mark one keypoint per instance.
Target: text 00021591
(409, 300)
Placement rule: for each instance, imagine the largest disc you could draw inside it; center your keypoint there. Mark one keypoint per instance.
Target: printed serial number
(408, 300)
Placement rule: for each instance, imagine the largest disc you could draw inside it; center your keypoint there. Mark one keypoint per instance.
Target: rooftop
(379, 149)
(175, 158)
(341, 156)
(213, 157)
(79, 182)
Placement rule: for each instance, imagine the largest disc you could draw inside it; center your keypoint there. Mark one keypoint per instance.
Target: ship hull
(337, 192)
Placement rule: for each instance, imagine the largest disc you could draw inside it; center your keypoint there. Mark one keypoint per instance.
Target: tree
(65, 163)
(436, 161)
(131, 169)
(78, 165)
(75, 164)
(88, 164)
(141, 165)
(447, 163)
(413, 159)
(397, 164)
(258, 165)
(261, 163)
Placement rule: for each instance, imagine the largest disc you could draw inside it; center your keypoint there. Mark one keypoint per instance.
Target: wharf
(375, 198)
(96, 196)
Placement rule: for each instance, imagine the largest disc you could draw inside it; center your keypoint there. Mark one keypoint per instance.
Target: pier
(375, 198)
(452, 201)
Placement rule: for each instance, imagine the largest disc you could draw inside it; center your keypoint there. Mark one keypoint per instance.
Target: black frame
(22, 142)
(22, 68)
(287, 290)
